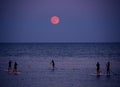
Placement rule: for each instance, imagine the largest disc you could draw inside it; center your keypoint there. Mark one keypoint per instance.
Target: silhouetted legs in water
(108, 68)
(98, 68)
(9, 66)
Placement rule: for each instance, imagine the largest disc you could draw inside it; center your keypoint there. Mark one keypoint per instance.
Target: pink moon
(55, 19)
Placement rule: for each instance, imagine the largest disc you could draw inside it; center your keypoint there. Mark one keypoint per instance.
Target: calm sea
(74, 62)
(60, 50)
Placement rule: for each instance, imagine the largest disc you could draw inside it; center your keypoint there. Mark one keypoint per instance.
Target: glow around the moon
(55, 19)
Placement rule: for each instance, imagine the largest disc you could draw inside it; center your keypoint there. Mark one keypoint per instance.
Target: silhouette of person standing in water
(53, 63)
(108, 68)
(98, 68)
(9, 65)
(15, 67)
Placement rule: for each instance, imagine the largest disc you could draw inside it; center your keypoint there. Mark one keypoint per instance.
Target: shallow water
(75, 64)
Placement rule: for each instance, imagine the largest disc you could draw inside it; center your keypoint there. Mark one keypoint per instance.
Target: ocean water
(75, 64)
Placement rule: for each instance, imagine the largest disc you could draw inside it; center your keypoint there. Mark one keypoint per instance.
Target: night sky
(80, 21)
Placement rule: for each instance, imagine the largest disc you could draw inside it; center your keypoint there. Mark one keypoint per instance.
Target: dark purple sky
(81, 21)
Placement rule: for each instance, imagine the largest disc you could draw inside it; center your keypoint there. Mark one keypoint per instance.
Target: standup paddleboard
(12, 72)
(94, 74)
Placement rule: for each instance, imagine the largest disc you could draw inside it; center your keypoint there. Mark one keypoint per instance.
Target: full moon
(55, 19)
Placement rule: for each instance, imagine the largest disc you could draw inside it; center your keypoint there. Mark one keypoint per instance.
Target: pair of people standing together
(107, 68)
(10, 66)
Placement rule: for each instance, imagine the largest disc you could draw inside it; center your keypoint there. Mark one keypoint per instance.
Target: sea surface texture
(75, 64)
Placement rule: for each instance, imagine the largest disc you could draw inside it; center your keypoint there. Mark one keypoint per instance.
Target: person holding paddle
(9, 65)
(98, 68)
(15, 67)
(108, 68)
(53, 63)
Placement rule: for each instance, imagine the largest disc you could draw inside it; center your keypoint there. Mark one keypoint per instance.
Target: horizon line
(59, 42)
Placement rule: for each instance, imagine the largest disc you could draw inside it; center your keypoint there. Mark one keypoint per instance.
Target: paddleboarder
(53, 63)
(98, 68)
(15, 67)
(9, 65)
(108, 68)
